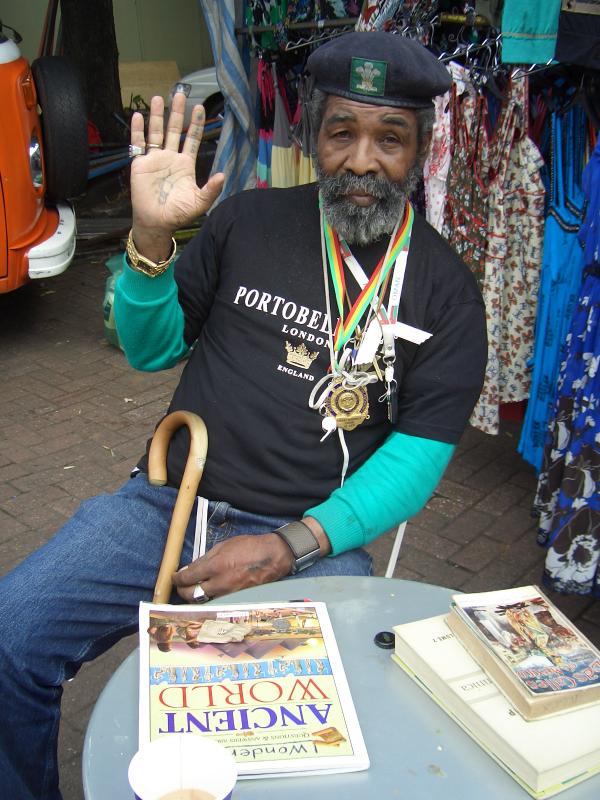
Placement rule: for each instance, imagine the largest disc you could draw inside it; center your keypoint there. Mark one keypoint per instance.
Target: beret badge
(368, 77)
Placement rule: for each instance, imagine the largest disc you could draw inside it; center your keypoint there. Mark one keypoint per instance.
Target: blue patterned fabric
(589, 233)
(567, 498)
(562, 267)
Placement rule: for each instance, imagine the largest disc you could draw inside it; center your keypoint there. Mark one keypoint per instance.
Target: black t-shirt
(252, 291)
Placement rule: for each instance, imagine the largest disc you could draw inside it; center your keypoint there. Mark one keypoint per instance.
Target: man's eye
(391, 139)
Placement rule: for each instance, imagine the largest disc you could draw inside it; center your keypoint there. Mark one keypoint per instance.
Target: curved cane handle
(157, 475)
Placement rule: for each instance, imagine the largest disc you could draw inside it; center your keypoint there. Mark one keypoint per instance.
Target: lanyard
(391, 314)
(336, 252)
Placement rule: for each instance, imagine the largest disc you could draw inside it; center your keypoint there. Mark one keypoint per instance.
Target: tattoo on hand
(259, 565)
(164, 189)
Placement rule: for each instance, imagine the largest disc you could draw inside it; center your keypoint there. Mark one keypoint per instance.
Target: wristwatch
(141, 264)
(303, 544)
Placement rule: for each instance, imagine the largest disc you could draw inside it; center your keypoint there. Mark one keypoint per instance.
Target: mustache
(348, 183)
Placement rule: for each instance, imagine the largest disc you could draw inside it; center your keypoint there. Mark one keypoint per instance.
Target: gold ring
(149, 146)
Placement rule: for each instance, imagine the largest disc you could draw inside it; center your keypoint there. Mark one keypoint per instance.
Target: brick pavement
(75, 417)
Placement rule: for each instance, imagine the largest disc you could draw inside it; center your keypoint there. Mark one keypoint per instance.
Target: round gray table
(417, 752)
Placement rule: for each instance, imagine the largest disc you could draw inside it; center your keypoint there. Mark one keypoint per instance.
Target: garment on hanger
(376, 13)
(529, 31)
(562, 267)
(492, 172)
(284, 157)
(524, 200)
(265, 101)
(465, 213)
(589, 233)
(291, 161)
(437, 164)
(302, 136)
(578, 36)
(568, 497)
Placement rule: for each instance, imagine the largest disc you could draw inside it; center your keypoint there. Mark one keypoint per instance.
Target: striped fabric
(375, 13)
(236, 151)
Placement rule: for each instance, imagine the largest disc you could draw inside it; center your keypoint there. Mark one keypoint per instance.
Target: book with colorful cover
(544, 756)
(264, 680)
(538, 658)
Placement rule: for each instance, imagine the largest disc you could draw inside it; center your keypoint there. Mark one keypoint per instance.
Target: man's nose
(362, 158)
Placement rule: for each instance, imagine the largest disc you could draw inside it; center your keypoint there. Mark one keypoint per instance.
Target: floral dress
(568, 497)
(513, 258)
(493, 171)
(435, 169)
(465, 213)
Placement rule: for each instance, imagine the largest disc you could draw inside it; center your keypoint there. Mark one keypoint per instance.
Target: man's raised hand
(164, 193)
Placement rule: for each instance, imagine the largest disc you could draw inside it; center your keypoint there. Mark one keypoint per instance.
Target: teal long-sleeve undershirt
(149, 319)
(391, 486)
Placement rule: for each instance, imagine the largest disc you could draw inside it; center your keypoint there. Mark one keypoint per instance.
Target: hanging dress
(265, 99)
(524, 199)
(568, 497)
(492, 172)
(437, 164)
(465, 214)
(284, 155)
(560, 279)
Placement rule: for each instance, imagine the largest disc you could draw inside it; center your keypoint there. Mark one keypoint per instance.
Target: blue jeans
(76, 597)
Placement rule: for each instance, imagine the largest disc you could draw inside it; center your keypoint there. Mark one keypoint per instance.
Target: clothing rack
(299, 26)
(467, 49)
(581, 6)
(468, 20)
(315, 38)
(532, 69)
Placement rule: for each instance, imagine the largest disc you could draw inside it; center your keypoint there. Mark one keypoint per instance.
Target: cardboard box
(147, 78)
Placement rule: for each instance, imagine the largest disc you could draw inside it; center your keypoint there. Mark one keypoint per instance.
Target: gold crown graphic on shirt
(300, 356)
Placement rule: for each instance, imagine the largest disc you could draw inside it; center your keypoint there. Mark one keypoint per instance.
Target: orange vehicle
(43, 162)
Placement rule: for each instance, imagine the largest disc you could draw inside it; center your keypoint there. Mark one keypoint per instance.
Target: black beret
(380, 68)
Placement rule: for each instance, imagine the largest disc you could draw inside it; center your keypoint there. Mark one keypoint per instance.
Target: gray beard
(364, 224)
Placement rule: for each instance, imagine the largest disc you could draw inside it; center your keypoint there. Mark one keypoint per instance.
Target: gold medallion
(348, 404)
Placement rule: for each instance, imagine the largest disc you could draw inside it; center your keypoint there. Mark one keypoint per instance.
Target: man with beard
(338, 343)
(336, 349)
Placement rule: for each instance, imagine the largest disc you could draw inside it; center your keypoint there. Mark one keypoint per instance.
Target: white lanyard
(375, 326)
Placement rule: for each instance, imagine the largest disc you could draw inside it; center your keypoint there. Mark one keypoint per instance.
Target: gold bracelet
(142, 264)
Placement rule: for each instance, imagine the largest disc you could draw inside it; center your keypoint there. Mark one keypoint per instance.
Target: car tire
(64, 127)
(214, 105)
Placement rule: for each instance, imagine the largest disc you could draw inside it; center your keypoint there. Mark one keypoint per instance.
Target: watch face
(303, 544)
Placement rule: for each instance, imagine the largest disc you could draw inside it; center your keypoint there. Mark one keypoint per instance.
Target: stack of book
(518, 677)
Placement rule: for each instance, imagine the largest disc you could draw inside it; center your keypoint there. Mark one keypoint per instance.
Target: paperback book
(541, 662)
(545, 756)
(264, 680)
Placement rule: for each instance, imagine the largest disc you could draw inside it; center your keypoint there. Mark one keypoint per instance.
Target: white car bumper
(53, 256)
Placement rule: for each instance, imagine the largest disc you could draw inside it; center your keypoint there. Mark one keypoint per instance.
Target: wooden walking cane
(157, 475)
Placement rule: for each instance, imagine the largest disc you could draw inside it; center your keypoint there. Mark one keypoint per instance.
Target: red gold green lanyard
(346, 326)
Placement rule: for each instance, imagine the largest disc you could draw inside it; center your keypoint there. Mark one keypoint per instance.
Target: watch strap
(140, 263)
(302, 542)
